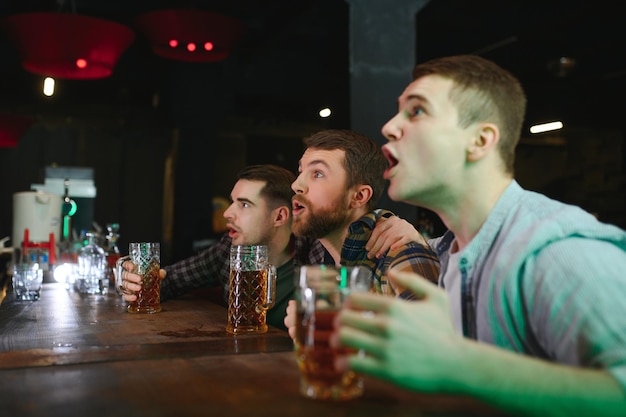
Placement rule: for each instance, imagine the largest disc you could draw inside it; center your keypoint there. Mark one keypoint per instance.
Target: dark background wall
(129, 154)
(165, 137)
(130, 147)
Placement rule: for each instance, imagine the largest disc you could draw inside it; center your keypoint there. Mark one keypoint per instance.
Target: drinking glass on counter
(251, 290)
(146, 257)
(320, 294)
(27, 281)
(91, 273)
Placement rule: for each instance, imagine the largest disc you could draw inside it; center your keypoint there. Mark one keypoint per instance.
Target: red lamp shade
(190, 35)
(12, 127)
(64, 45)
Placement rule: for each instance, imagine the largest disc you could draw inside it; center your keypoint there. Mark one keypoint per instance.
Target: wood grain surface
(72, 355)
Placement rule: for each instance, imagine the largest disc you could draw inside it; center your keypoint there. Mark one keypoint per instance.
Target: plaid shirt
(211, 268)
(414, 256)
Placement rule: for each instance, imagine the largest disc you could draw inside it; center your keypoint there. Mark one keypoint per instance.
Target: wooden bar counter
(70, 354)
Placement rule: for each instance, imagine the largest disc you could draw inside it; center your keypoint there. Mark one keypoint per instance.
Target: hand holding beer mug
(320, 293)
(146, 257)
(251, 291)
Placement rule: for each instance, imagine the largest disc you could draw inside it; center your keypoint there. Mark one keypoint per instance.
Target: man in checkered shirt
(260, 213)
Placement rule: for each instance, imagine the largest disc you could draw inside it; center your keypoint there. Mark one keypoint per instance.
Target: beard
(318, 223)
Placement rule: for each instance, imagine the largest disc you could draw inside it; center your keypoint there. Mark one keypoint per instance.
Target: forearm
(527, 386)
(207, 269)
(425, 267)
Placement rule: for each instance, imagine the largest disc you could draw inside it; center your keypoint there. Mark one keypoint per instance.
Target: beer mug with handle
(320, 293)
(251, 291)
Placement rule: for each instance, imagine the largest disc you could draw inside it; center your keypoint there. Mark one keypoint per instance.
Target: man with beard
(339, 183)
(260, 214)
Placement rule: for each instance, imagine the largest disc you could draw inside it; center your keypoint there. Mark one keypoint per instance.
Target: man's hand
(411, 343)
(131, 282)
(290, 319)
(390, 233)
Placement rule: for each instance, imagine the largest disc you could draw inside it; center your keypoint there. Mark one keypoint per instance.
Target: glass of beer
(251, 289)
(146, 258)
(320, 293)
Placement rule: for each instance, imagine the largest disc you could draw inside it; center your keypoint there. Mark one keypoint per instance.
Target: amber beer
(248, 292)
(320, 292)
(146, 259)
(316, 359)
(251, 289)
(149, 297)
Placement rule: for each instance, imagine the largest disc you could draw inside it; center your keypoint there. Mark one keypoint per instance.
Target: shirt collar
(368, 221)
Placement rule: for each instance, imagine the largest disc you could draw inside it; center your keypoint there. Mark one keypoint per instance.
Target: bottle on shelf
(91, 277)
(112, 251)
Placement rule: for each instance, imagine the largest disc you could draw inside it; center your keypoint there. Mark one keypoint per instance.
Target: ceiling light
(217, 34)
(562, 67)
(546, 127)
(325, 112)
(48, 86)
(70, 46)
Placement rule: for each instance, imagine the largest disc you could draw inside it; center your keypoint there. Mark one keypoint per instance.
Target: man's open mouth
(390, 158)
(297, 207)
(232, 231)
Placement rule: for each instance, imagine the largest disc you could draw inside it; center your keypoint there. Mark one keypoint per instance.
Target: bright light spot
(325, 112)
(208, 46)
(173, 43)
(546, 127)
(48, 86)
(64, 272)
(191, 46)
(81, 63)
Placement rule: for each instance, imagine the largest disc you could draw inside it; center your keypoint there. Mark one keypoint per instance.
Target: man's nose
(298, 186)
(391, 130)
(228, 214)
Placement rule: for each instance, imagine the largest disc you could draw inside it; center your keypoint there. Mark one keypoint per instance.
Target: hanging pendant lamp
(69, 46)
(190, 35)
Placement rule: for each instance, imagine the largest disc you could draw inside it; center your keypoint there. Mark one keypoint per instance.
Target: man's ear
(361, 195)
(486, 138)
(281, 215)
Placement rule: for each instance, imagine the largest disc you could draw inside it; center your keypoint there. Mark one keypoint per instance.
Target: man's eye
(416, 111)
(245, 205)
(317, 174)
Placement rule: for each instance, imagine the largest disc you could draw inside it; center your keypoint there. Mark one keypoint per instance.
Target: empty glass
(91, 278)
(27, 281)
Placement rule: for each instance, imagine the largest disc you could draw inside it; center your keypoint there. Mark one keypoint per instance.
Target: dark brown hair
(277, 189)
(483, 92)
(364, 161)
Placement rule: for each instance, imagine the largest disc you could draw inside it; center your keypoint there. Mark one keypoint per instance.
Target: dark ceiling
(294, 56)
(529, 38)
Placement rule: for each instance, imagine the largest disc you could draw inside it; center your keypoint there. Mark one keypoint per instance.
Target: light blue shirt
(546, 279)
